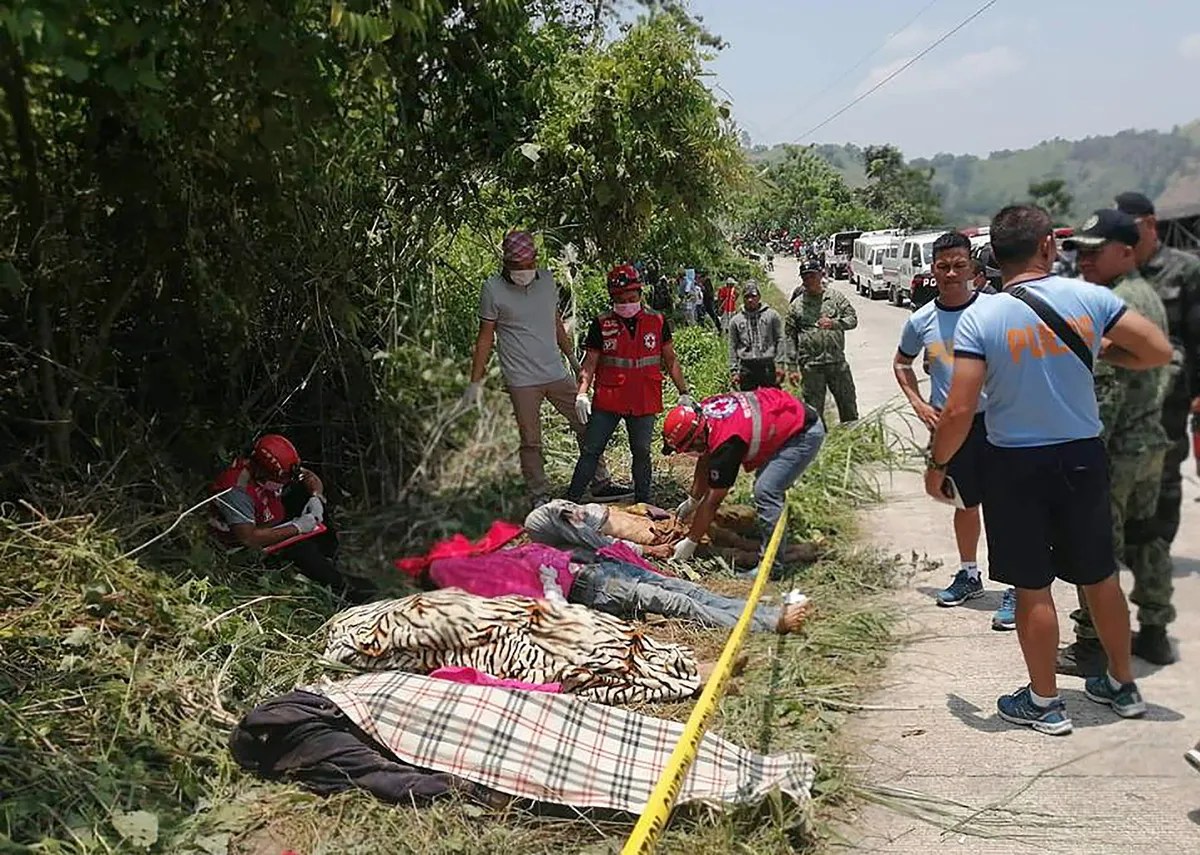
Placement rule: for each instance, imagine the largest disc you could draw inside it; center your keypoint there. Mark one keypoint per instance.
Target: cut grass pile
(119, 680)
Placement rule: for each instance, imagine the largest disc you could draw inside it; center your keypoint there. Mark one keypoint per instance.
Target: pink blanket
(505, 572)
(478, 678)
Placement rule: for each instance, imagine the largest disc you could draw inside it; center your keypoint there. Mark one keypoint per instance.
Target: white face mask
(522, 277)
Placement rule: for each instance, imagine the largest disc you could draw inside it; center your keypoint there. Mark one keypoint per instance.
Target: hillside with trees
(1164, 165)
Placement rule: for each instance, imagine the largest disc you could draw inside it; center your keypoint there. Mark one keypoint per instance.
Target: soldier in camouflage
(1131, 411)
(816, 328)
(1175, 276)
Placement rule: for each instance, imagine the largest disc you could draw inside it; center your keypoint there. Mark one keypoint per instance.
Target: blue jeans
(781, 471)
(600, 429)
(626, 591)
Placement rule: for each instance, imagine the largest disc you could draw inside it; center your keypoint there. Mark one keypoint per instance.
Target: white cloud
(910, 39)
(963, 73)
(1189, 46)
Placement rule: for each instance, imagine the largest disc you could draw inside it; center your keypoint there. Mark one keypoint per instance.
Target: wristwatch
(933, 465)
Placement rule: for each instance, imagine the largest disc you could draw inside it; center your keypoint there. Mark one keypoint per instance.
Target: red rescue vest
(764, 419)
(268, 503)
(629, 376)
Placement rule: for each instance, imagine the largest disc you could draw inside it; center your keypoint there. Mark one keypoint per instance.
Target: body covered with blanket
(591, 654)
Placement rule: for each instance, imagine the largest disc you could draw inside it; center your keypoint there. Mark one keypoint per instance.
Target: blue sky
(1022, 72)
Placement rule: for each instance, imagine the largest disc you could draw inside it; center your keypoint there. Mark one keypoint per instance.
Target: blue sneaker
(1019, 708)
(1126, 701)
(1005, 617)
(963, 588)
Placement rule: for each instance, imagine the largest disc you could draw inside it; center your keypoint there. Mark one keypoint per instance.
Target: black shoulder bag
(1055, 321)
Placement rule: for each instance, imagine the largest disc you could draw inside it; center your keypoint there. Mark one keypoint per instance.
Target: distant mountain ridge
(1163, 165)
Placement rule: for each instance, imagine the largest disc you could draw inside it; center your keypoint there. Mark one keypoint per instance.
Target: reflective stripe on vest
(619, 362)
(756, 431)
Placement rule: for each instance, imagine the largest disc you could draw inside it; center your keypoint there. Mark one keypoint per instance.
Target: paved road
(1112, 786)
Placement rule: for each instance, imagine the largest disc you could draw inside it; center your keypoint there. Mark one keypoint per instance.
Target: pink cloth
(507, 571)
(622, 551)
(478, 678)
(499, 534)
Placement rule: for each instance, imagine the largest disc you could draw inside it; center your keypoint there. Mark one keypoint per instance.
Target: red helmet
(684, 428)
(621, 277)
(276, 456)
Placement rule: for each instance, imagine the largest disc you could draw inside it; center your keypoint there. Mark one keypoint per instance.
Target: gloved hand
(583, 408)
(685, 549)
(473, 395)
(315, 507)
(685, 400)
(687, 508)
(305, 523)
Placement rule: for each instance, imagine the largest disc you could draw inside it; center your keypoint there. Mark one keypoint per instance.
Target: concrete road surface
(932, 740)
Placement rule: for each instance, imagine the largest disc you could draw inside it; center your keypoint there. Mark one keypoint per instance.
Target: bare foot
(705, 669)
(791, 618)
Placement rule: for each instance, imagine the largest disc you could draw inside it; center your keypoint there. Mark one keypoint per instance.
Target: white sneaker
(1193, 757)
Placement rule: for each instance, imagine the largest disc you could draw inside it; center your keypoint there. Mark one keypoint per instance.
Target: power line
(856, 65)
(899, 70)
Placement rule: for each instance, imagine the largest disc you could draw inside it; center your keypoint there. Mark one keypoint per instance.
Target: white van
(837, 256)
(866, 262)
(913, 270)
(890, 276)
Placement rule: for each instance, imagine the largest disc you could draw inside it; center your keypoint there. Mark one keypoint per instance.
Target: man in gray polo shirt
(519, 307)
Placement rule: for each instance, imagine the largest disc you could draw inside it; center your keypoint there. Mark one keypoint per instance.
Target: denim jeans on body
(629, 592)
(599, 431)
(779, 473)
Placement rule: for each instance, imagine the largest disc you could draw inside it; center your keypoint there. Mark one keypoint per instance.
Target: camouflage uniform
(820, 354)
(1131, 405)
(1175, 275)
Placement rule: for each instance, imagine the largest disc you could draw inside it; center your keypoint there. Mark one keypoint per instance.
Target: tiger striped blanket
(591, 654)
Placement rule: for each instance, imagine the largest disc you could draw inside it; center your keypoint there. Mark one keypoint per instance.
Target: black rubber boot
(1152, 644)
(1084, 658)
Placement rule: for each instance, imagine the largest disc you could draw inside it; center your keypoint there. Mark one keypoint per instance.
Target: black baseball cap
(1135, 204)
(1101, 227)
(751, 289)
(811, 265)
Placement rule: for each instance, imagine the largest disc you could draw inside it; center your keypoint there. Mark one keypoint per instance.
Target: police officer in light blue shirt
(1045, 485)
(931, 329)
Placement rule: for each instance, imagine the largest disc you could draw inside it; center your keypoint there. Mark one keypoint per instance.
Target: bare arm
(961, 403)
(483, 349)
(674, 369)
(907, 378)
(587, 371)
(1136, 343)
(565, 344)
(700, 477)
(262, 536)
(310, 480)
(706, 512)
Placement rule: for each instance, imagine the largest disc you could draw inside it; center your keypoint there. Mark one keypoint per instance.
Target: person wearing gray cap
(1175, 275)
(1130, 407)
(755, 342)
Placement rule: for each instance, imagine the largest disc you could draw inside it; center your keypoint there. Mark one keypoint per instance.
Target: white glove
(473, 395)
(687, 508)
(315, 507)
(685, 400)
(685, 549)
(583, 408)
(305, 523)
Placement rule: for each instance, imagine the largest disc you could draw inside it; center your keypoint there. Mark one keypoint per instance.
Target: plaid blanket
(552, 748)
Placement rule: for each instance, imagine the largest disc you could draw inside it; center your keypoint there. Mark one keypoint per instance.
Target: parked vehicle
(914, 278)
(890, 270)
(837, 257)
(866, 262)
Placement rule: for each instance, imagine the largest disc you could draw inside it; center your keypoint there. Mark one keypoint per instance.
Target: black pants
(756, 374)
(709, 308)
(316, 556)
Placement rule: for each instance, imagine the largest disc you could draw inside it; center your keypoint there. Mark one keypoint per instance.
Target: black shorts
(966, 467)
(1047, 515)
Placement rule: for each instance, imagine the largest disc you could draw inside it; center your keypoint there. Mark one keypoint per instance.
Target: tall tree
(900, 194)
(1051, 194)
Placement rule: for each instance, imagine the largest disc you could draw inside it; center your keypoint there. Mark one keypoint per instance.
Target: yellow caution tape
(654, 816)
